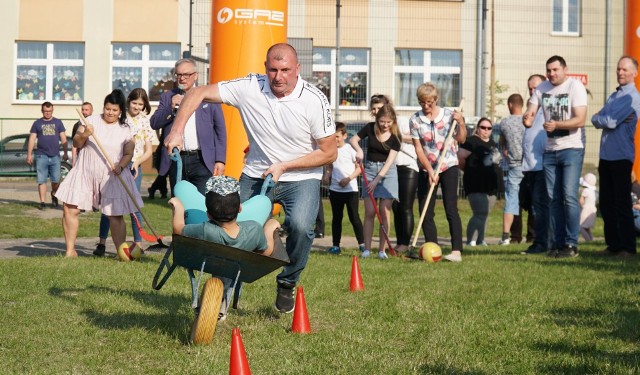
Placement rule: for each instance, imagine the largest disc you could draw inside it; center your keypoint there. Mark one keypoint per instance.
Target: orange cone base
(356, 277)
(238, 364)
(300, 316)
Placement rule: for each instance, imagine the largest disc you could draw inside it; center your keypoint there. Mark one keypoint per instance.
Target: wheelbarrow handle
(165, 264)
(268, 183)
(175, 156)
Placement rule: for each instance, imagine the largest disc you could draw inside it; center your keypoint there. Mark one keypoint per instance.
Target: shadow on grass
(44, 248)
(587, 359)
(590, 260)
(167, 322)
(441, 369)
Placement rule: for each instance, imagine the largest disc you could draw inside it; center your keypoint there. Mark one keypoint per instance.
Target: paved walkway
(26, 191)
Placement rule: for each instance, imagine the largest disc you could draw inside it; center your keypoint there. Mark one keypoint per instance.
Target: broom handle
(111, 165)
(445, 147)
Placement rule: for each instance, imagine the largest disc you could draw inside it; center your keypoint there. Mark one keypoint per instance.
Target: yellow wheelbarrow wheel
(204, 326)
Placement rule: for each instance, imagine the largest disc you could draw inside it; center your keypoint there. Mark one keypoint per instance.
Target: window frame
(144, 63)
(427, 69)
(49, 62)
(565, 9)
(345, 68)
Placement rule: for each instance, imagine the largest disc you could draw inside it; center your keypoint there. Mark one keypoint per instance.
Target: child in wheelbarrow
(223, 205)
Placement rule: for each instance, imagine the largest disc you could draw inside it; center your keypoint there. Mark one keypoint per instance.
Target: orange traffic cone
(300, 317)
(356, 277)
(238, 364)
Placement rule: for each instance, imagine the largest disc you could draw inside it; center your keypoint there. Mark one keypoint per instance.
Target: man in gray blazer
(205, 137)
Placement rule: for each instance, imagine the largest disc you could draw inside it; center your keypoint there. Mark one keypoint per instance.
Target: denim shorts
(512, 190)
(47, 167)
(388, 187)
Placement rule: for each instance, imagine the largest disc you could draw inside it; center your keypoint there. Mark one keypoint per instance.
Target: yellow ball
(129, 251)
(431, 252)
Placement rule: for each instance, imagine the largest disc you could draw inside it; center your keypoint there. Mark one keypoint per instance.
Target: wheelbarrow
(196, 255)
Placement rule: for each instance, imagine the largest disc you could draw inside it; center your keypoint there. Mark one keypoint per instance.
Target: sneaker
(222, 317)
(552, 253)
(285, 299)
(100, 250)
(382, 255)
(569, 251)
(361, 247)
(319, 235)
(54, 201)
(152, 193)
(471, 243)
(483, 243)
(334, 250)
(42, 206)
(365, 254)
(505, 242)
(534, 249)
(453, 257)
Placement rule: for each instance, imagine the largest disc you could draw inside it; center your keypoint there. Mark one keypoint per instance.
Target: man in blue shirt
(49, 133)
(618, 119)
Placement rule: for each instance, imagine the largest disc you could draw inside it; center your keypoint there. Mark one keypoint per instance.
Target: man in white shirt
(291, 136)
(564, 104)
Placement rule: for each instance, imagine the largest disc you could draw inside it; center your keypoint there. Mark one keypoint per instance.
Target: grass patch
(495, 313)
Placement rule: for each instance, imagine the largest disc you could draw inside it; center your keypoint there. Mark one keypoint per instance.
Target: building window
(353, 75)
(566, 17)
(52, 71)
(413, 67)
(148, 66)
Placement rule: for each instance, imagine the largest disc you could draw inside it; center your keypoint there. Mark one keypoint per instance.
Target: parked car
(13, 157)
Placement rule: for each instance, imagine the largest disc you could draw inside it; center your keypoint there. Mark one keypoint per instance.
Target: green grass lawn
(497, 312)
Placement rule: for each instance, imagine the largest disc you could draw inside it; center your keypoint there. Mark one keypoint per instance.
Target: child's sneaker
(382, 255)
(334, 250)
(365, 254)
(453, 257)
(505, 242)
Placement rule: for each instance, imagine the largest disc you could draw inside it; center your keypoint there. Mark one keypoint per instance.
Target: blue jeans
(540, 206)
(47, 167)
(512, 189)
(300, 201)
(562, 171)
(193, 170)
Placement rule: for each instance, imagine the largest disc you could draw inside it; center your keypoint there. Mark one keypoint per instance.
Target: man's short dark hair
(515, 100)
(222, 208)
(46, 105)
(557, 58)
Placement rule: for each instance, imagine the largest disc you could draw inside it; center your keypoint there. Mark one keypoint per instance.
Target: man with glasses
(291, 136)
(564, 105)
(203, 149)
(48, 131)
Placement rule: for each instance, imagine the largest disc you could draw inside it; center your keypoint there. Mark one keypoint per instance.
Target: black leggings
(403, 207)
(449, 183)
(338, 201)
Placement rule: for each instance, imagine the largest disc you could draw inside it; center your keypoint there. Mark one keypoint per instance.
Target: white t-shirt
(279, 129)
(407, 156)
(343, 167)
(557, 103)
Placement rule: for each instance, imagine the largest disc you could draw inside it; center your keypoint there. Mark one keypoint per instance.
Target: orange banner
(632, 48)
(241, 34)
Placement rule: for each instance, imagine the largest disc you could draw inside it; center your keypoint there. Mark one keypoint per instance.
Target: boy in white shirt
(343, 190)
